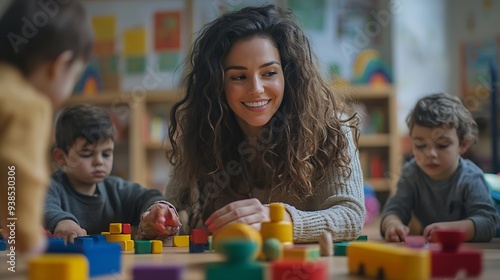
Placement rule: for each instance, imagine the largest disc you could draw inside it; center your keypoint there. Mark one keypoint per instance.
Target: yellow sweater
(25, 127)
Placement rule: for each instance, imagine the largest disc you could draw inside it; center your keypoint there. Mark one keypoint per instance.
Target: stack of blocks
(198, 240)
(121, 234)
(88, 256)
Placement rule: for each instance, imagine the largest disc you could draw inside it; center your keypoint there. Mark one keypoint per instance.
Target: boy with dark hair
(442, 189)
(44, 46)
(83, 198)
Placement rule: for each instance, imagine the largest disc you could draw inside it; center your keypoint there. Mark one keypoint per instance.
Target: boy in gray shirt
(443, 190)
(83, 198)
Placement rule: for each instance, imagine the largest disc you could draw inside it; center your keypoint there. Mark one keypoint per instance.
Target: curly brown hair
(307, 133)
(442, 109)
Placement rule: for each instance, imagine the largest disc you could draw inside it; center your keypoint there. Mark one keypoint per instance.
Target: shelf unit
(135, 108)
(379, 146)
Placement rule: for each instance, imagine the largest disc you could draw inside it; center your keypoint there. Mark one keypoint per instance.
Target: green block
(362, 238)
(142, 247)
(340, 248)
(231, 271)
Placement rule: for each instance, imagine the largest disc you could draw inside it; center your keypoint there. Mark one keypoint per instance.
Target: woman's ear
(59, 156)
(465, 145)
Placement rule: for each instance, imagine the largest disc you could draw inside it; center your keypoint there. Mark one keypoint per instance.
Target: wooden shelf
(374, 140)
(379, 152)
(116, 97)
(158, 146)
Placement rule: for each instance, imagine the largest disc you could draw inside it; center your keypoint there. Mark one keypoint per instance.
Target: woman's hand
(159, 221)
(247, 211)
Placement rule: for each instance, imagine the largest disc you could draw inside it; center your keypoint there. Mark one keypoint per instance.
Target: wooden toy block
(451, 260)
(415, 241)
(98, 238)
(299, 270)
(387, 261)
(115, 237)
(55, 241)
(84, 241)
(126, 245)
(115, 228)
(277, 227)
(103, 258)
(196, 248)
(58, 267)
(199, 236)
(301, 252)
(157, 272)
(325, 241)
(238, 231)
(181, 241)
(126, 228)
(104, 233)
(239, 261)
(362, 238)
(272, 249)
(3, 245)
(142, 246)
(340, 248)
(156, 246)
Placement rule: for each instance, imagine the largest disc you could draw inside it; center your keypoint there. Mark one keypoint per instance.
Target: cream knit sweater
(337, 205)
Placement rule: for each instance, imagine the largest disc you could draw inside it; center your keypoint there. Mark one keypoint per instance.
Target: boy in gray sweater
(442, 189)
(83, 198)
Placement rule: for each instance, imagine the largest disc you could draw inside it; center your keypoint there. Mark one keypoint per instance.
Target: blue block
(84, 241)
(55, 242)
(196, 248)
(3, 245)
(103, 258)
(98, 238)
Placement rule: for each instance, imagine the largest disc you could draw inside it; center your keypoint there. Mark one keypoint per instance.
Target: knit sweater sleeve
(340, 205)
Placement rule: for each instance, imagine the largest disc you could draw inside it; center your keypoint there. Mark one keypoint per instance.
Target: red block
(126, 229)
(299, 270)
(199, 236)
(448, 264)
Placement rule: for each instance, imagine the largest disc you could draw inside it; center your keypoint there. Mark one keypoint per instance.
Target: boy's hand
(464, 225)
(68, 230)
(396, 232)
(159, 221)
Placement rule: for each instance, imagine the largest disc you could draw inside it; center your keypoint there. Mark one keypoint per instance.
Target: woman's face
(253, 82)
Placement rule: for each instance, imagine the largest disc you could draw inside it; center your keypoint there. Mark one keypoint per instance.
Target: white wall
(421, 52)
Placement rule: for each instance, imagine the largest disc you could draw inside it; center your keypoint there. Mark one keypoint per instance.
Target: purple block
(157, 272)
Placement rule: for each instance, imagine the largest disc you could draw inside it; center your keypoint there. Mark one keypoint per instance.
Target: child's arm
(394, 230)
(68, 230)
(465, 225)
(159, 221)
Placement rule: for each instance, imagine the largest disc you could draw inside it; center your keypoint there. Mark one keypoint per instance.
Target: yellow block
(395, 262)
(127, 245)
(181, 241)
(58, 267)
(156, 246)
(104, 233)
(283, 231)
(301, 252)
(238, 231)
(112, 237)
(115, 228)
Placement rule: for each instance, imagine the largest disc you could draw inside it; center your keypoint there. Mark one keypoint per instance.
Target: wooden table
(194, 263)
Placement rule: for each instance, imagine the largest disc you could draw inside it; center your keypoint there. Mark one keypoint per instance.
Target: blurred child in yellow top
(44, 46)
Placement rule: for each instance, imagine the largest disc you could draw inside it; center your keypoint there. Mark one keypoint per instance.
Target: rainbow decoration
(370, 69)
(90, 82)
